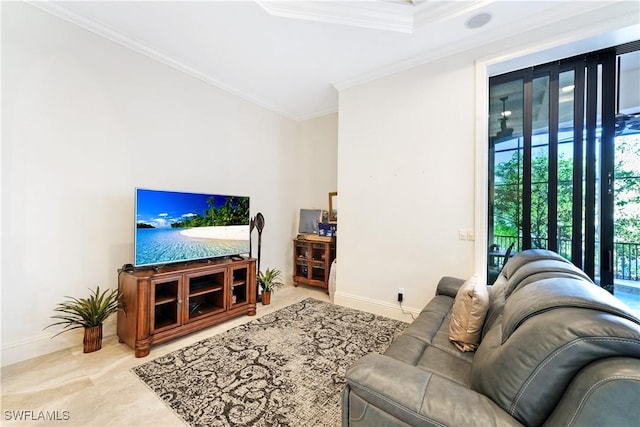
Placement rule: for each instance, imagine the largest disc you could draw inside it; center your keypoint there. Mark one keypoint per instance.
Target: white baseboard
(19, 351)
(29, 348)
(382, 308)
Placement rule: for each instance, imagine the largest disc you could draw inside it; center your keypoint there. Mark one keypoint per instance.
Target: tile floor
(98, 389)
(628, 292)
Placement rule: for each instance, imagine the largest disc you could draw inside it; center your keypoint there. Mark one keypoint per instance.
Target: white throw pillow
(468, 313)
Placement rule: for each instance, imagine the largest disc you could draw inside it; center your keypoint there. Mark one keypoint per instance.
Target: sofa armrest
(417, 397)
(449, 286)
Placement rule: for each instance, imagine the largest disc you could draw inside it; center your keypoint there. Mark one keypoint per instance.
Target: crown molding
(102, 30)
(316, 114)
(625, 15)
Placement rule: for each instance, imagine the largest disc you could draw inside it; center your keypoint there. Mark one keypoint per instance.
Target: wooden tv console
(172, 301)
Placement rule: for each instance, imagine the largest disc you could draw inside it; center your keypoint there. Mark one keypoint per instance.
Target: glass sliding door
(627, 181)
(551, 176)
(506, 146)
(541, 168)
(566, 153)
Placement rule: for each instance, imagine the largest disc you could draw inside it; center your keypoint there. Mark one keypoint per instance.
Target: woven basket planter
(266, 297)
(92, 339)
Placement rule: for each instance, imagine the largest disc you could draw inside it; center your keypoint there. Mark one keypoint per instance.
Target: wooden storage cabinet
(163, 304)
(312, 262)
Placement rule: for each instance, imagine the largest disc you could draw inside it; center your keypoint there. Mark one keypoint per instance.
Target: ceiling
(290, 56)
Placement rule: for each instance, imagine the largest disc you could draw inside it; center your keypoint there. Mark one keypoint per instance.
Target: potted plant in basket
(88, 313)
(268, 281)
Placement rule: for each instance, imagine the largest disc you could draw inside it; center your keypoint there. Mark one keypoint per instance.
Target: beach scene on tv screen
(176, 226)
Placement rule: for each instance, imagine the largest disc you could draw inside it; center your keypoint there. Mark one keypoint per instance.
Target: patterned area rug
(283, 369)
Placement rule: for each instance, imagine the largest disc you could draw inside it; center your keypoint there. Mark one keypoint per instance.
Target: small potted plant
(88, 313)
(268, 281)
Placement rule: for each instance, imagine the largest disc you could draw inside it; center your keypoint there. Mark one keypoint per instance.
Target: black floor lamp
(259, 224)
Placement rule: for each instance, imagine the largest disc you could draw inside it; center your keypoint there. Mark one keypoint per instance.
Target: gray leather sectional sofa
(555, 350)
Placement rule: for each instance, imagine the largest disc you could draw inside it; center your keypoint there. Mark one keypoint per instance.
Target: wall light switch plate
(462, 234)
(470, 234)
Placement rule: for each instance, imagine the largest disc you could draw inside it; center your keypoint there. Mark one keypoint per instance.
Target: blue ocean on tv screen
(165, 245)
(175, 226)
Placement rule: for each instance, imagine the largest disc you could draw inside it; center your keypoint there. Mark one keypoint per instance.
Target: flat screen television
(174, 226)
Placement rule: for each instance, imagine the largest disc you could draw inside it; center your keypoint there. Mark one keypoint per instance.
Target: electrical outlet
(400, 294)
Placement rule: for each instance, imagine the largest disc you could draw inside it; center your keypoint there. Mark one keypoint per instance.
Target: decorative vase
(266, 297)
(92, 339)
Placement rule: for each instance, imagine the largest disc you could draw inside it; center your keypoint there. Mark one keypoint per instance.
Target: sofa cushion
(446, 364)
(542, 269)
(551, 294)
(525, 257)
(496, 303)
(407, 349)
(425, 343)
(522, 269)
(431, 319)
(410, 346)
(382, 391)
(468, 313)
(445, 361)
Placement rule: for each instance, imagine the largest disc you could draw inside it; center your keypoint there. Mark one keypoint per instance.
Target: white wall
(312, 175)
(85, 121)
(411, 168)
(317, 166)
(406, 184)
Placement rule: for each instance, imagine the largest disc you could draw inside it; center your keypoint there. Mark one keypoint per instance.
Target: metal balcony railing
(627, 261)
(626, 255)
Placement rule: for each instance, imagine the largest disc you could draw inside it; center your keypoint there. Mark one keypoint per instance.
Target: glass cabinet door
(302, 259)
(239, 294)
(165, 304)
(318, 264)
